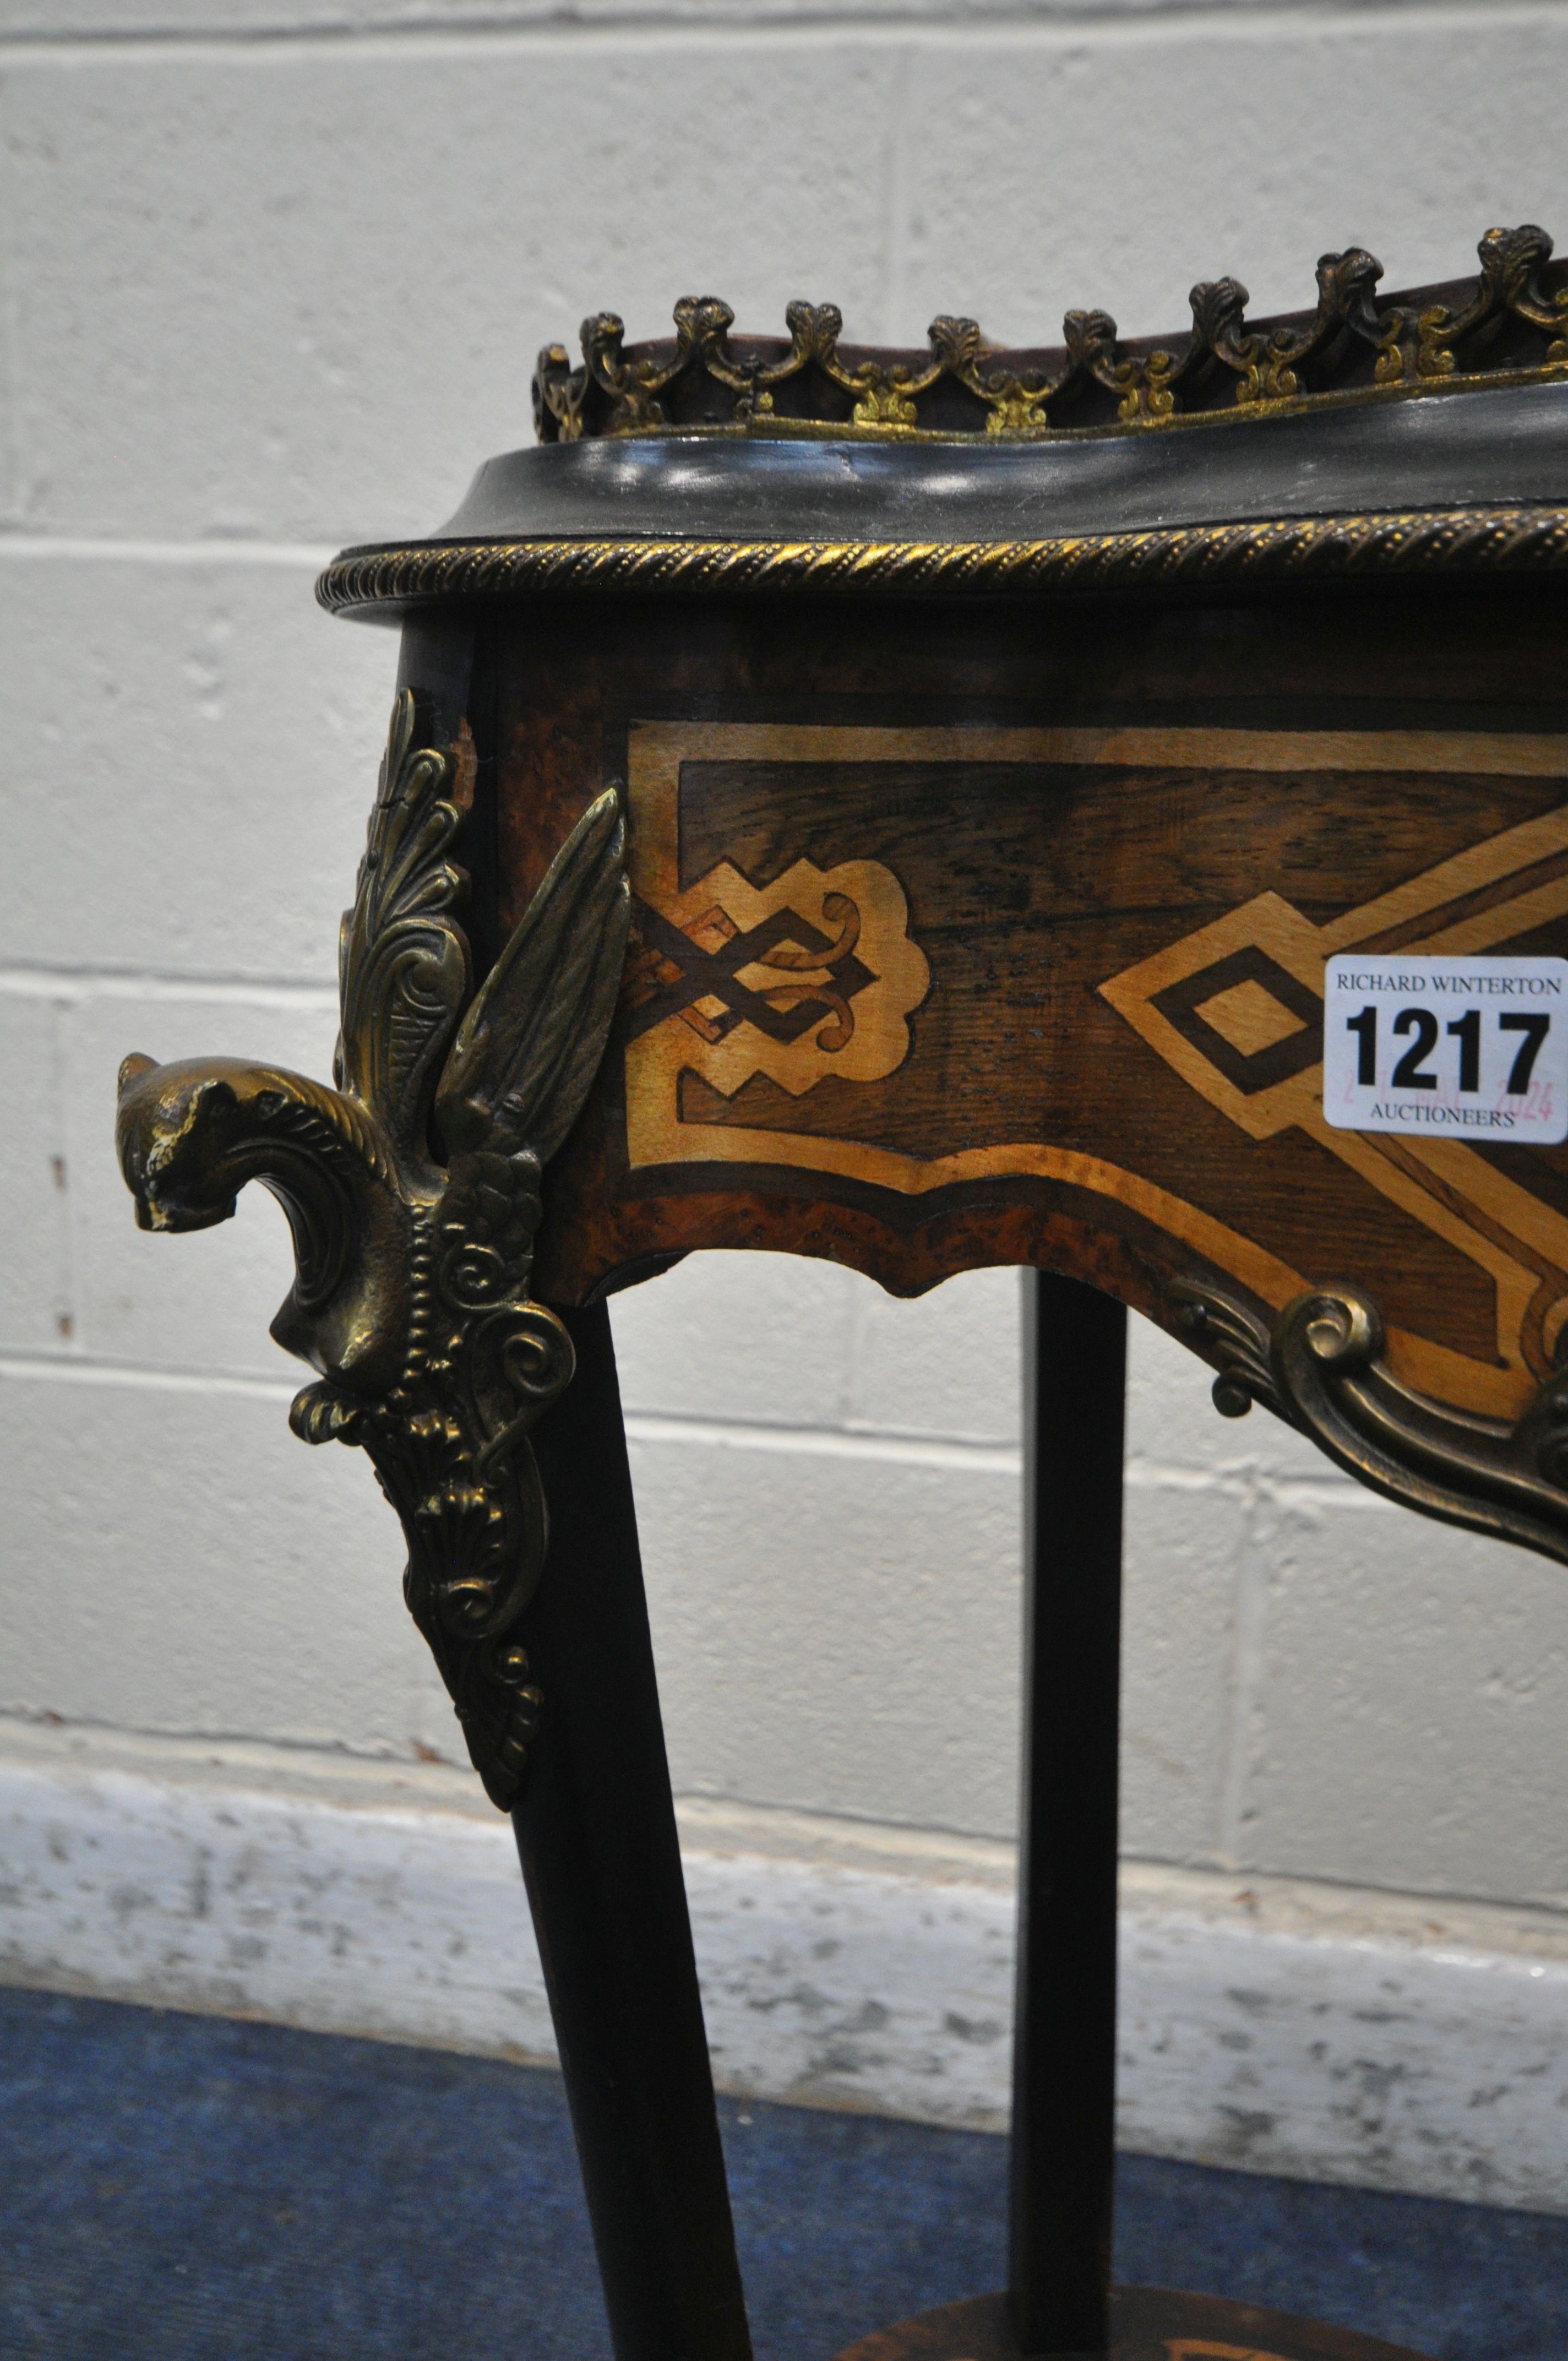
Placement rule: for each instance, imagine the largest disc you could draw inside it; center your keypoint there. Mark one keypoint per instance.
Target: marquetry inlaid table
(1102, 808)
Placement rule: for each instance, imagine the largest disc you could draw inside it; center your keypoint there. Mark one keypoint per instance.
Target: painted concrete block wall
(273, 275)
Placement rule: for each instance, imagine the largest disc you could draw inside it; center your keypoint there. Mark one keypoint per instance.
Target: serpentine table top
(1006, 741)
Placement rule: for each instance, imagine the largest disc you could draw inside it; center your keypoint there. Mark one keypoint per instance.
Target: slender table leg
(596, 1830)
(1065, 2054)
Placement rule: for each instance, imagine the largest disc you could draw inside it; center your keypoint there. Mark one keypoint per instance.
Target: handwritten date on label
(1459, 1048)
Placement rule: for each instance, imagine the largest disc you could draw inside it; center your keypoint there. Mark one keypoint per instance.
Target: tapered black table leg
(596, 1829)
(1064, 2059)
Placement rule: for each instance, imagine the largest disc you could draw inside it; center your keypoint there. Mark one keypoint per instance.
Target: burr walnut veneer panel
(981, 933)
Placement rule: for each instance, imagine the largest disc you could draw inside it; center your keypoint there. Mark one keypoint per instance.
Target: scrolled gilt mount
(411, 1191)
(1322, 1367)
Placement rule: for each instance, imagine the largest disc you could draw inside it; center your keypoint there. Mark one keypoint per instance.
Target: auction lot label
(1454, 1049)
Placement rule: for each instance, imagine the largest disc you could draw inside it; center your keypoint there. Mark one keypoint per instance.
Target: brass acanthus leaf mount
(412, 1193)
(1321, 1366)
(1510, 323)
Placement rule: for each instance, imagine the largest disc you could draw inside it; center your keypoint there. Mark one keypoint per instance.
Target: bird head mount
(413, 1193)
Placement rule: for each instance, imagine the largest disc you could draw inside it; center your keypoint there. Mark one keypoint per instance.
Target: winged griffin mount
(412, 1193)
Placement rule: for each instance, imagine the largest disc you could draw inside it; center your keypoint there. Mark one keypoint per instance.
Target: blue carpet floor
(182, 2188)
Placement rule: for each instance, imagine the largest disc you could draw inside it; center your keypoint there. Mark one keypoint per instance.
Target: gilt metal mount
(1322, 1367)
(411, 1191)
(1508, 324)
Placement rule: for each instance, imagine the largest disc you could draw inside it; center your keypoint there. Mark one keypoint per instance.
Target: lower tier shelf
(1147, 2324)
